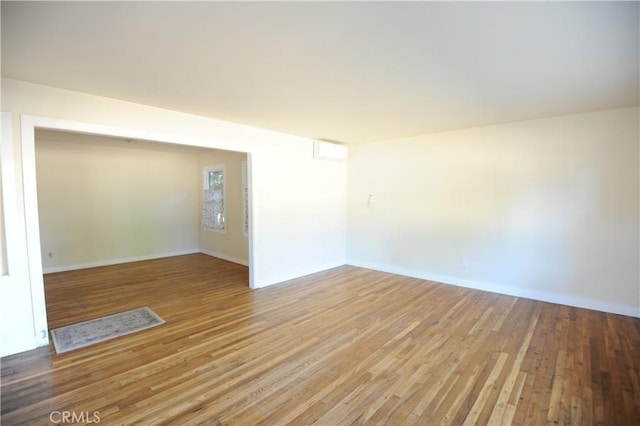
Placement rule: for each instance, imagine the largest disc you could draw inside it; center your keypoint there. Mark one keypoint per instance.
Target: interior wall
(298, 203)
(297, 211)
(3, 242)
(103, 204)
(546, 208)
(231, 245)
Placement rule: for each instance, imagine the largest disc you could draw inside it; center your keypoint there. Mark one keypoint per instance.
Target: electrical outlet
(464, 264)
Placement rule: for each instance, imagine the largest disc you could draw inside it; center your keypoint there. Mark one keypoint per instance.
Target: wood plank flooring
(345, 346)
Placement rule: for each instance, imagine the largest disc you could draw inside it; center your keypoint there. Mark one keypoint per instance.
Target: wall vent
(329, 151)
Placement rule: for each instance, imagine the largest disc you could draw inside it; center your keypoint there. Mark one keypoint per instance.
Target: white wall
(546, 209)
(3, 243)
(298, 208)
(309, 200)
(231, 245)
(102, 203)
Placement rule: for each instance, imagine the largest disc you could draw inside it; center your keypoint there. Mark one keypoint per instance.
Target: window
(213, 211)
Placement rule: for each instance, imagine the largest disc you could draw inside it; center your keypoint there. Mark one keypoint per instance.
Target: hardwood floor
(344, 346)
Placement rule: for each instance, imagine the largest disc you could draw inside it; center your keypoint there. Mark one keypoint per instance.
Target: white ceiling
(351, 72)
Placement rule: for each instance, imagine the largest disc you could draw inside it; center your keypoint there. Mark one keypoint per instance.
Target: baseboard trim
(64, 268)
(225, 257)
(500, 289)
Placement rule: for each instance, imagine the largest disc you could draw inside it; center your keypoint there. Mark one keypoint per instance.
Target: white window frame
(205, 186)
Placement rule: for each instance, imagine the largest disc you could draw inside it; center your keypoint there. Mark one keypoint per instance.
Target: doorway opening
(105, 200)
(50, 247)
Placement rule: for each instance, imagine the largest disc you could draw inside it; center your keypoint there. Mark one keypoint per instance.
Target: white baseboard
(225, 257)
(577, 302)
(53, 269)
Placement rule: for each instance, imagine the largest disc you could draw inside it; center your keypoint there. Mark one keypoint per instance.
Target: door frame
(15, 289)
(15, 262)
(28, 124)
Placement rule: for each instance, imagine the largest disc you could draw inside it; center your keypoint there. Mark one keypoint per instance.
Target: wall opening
(105, 200)
(29, 124)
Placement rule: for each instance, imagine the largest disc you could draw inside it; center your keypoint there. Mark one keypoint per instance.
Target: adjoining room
(107, 201)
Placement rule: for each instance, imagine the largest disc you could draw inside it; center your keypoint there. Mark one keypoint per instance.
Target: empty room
(320, 213)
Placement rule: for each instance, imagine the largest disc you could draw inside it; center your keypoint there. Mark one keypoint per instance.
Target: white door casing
(17, 325)
(26, 294)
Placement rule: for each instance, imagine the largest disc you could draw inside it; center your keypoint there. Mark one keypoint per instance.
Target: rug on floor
(97, 330)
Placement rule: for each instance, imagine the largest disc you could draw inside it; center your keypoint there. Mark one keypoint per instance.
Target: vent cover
(329, 151)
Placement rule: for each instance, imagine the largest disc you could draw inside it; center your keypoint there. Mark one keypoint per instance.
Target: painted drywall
(298, 204)
(298, 208)
(231, 245)
(309, 200)
(3, 242)
(111, 203)
(546, 209)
